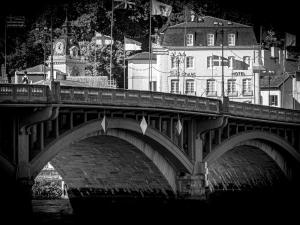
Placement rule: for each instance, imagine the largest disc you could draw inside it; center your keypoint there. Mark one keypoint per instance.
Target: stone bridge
(135, 143)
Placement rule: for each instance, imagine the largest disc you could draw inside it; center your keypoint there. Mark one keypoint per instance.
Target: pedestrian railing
(263, 112)
(23, 93)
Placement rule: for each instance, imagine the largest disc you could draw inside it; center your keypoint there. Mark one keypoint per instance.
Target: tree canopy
(26, 46)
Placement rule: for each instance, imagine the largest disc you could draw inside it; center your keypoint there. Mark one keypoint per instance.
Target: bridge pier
(195, 185)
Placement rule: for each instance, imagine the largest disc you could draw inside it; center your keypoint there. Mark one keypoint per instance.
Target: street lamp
(222, 49)
(179, 58)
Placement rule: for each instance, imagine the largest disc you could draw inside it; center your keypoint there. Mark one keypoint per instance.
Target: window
(173, 62)
(189, 62)
(211, 88)
(152, 85)
(175, 86)
(189, 40)
(246, 60)
(210, 39)
(216, 60)
(231, 61)
(231, 39)
(273, 100)
(247, 90)
(231, 88)
(190, 87)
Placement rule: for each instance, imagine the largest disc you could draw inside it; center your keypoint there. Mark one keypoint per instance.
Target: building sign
(239, 74)
(174, 73)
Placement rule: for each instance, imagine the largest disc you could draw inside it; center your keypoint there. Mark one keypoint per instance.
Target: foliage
(27, 47)
(46, 190)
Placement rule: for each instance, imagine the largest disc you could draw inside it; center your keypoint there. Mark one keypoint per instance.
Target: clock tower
(66, 54)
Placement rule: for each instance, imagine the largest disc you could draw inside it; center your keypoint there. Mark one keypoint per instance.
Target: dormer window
(210, 39)
(231, 39)
(189, 40)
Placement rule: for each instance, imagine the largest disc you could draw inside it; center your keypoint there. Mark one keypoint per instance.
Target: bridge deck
(66, 95)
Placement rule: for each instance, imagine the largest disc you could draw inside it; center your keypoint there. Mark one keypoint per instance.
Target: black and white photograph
(149, 112)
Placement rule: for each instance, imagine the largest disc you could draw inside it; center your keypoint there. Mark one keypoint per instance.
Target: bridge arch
(168, 158)
(276, 148)
(6, 167)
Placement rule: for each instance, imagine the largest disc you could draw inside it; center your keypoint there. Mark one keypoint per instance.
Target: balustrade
(84, 95)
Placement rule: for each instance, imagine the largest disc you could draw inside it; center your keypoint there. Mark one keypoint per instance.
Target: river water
(243, 207)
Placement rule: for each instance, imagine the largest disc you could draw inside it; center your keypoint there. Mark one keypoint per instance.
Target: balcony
(175, 92)
(190, 93)
(247, 93)
(211, 94)
(232, 93)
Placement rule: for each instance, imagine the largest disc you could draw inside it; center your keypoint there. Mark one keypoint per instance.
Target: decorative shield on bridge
(104, 123)
(143, 125)
(178, 127)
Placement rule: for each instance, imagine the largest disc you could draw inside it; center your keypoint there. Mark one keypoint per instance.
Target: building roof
(39, 69)
(275, 80)
(208, 21)
(65, 83)
(142, 56)
(244, 34)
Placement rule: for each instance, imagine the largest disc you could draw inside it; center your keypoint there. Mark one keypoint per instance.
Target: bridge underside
(244, 167)
(105, 166)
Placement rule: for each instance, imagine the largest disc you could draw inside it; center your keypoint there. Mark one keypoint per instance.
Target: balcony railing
(211, 93)
(248, 93)
(232, 94)
(193, 93)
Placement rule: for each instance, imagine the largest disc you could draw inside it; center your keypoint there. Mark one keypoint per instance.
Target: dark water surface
(264, 207)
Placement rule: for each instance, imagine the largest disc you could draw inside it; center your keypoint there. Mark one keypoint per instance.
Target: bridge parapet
(131, 98)
(263, 112)
(24, 93)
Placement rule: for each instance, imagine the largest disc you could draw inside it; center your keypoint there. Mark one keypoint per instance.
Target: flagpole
(111, 38)
(124, 65)
(4, 75)
(150, 66)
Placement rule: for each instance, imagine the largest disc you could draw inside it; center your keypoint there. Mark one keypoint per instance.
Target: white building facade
(188, 60)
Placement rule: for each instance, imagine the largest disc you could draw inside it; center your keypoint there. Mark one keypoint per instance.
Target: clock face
(59, 47)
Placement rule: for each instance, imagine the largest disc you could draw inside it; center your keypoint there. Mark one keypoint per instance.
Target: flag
(290, 39)
(127, 4)
(102, 39)
(132, 45)
(159, 8)
(15, 21)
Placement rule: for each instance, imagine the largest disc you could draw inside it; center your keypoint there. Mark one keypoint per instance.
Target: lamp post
(51, 57)
(179, 58)
(222, 49)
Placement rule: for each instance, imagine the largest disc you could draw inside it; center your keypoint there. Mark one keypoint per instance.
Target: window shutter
(208, 61)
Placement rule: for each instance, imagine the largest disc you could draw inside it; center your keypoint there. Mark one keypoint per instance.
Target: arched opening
(50, 194)
(105, 171)
(49, 184)
(254, 175)
(244, 168)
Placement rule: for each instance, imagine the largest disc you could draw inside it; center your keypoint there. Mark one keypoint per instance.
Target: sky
(283, 14)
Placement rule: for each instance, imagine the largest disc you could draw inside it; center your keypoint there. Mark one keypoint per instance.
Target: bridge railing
(263, 112)
(24, 93)
(130, 98)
